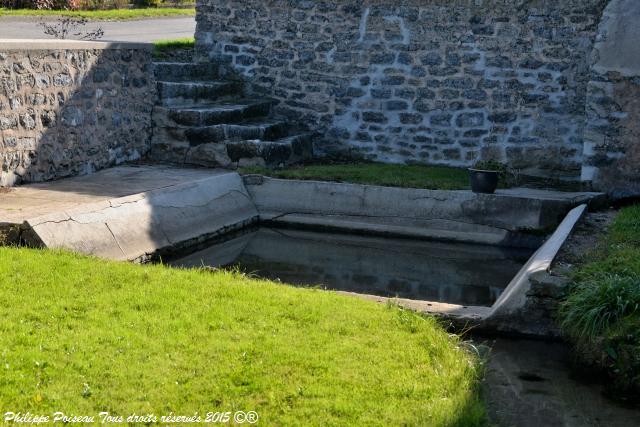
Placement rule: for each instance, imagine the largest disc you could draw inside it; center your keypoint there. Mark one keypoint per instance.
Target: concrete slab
(513, 298)
(463, 315)
(34, 200)
(129, 212)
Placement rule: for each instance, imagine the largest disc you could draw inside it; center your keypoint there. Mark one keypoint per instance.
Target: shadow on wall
(70, 108)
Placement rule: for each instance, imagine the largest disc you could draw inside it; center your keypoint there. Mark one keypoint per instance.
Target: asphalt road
(146, 30)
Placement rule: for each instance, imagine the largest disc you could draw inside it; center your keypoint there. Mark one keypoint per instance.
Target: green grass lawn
(114, 14)
(414, 176)
(83, 335)
(162, 47)
(602, 310)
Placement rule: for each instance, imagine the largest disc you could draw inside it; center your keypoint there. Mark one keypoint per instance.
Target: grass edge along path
(83, 335)
(164, 46)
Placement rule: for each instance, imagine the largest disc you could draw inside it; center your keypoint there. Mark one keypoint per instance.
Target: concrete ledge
(47, 44)
(137, 226)
(515, 217)
(435, 229)
(463, 315)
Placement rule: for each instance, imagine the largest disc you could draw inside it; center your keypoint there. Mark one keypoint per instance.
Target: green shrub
(594, 306)
(16, 4)
(601, 313)
(177, 2)
(89, 4)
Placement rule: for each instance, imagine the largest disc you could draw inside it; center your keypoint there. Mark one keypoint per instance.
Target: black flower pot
(483, 181)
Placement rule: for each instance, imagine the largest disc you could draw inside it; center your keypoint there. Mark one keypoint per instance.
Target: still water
(422, 270)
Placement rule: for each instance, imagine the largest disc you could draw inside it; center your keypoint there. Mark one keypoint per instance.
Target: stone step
(247, 130)
(189, 93)
(185, 71)
(233, 154)
(281, 152)
(223, 112)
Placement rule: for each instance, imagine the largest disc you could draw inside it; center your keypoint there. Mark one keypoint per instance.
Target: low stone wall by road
(70, 108)
(430, 81)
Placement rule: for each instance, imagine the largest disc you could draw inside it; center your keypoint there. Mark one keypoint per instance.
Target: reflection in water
(446, 272)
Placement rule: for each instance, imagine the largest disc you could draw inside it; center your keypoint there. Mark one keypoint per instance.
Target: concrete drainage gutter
(516, 311)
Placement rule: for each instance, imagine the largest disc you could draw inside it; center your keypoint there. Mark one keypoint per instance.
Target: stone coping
(50, 44)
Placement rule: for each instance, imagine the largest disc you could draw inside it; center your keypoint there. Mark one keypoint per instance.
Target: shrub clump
(601, 313)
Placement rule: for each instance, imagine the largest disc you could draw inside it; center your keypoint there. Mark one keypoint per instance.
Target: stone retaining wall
(70, 108)
(433, 81)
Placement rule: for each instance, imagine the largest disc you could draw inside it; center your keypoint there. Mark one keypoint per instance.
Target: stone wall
(70, 108)
(429, 81)
(612, 134)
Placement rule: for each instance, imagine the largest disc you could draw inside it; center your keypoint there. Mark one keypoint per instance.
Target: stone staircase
(204, 120)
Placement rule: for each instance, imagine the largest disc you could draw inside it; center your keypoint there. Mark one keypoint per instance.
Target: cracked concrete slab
(33, 200)
(130, 212)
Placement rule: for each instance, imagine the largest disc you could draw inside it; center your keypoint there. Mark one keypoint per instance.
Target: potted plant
(485, 175)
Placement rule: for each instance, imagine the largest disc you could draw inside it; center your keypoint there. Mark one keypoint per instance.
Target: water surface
(421, 270)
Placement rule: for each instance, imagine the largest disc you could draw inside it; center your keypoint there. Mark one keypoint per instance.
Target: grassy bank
(162, 48)
(413, 176)
(83, 335)
(602, 310)
(114, 14)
